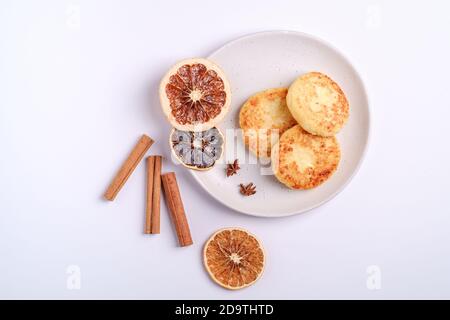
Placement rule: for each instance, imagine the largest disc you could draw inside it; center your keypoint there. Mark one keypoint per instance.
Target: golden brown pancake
(263, 118)
(301, 160)
(318, 104)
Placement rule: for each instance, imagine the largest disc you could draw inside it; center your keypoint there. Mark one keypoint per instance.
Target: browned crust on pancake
(326, 154)
(257, 131)
(331, 118)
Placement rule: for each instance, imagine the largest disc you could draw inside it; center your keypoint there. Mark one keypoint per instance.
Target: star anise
(232, 168)
(247, 190)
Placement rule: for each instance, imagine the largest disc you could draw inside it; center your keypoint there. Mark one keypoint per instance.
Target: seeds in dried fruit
(195, 95)
(197, 150)
(234, 258)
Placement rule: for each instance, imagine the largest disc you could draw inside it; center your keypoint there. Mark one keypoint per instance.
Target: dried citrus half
(195, 95)
(234, 258)
(197, 150)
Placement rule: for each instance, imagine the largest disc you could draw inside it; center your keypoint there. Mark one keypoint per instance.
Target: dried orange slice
(195, 95)
(234, 258)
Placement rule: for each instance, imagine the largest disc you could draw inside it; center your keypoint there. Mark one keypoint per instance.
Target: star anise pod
(232, 168)
(247, 190)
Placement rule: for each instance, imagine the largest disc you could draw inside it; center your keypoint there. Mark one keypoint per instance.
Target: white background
(78, 85)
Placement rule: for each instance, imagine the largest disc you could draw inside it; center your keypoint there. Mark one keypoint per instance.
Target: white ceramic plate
(273, 59)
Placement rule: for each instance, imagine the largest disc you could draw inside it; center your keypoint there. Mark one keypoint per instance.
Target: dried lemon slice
(197, 150)
(234, 258)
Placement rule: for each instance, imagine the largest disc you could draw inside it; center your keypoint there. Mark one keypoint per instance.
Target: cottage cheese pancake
(301, 160)
(318, 104)
(263, 118)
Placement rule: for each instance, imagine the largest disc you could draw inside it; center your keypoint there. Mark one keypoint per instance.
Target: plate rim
(369, 129)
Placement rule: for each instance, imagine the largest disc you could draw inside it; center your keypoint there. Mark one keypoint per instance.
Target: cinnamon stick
(176, 209)
(128, 167)
(155, 217)
(148, 210)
